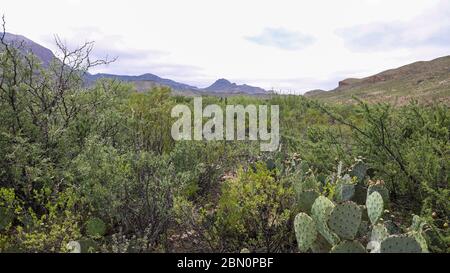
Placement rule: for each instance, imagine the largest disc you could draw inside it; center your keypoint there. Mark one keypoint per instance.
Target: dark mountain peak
(223, 81)
(220, 85)
(225, 86)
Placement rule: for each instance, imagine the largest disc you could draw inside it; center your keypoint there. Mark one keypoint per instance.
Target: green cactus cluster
(95, 227)
(342, 225)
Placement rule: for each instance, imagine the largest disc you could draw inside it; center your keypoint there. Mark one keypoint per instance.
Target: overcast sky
(293, 46)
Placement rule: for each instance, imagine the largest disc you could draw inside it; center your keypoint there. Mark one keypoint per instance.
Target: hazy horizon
(292, 46)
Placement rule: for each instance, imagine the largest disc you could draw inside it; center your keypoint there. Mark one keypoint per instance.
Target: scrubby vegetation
(95, 169)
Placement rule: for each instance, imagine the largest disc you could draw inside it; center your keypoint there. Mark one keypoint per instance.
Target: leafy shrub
(254, 211)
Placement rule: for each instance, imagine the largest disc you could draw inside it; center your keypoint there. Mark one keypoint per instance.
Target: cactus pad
(379, 233)
(305, 231)
(345, 220)
(344, 192)
(245, 250)
(417, 232)
(348, 247)
(321, 210)
(374, 204)
(320, 245)
(400, 244)
(360, 195)
(418, 223)
(359, 170)
(306, 199)
(392, 227)
(374, 247)
(382, 190)
(88, 245)
(363, 229)
(73, 247)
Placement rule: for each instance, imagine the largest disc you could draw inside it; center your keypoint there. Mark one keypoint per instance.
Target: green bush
(254, 212)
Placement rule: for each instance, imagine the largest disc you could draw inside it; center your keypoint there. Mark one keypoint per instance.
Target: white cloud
(282, 38)
(429, 29)
(198, 41)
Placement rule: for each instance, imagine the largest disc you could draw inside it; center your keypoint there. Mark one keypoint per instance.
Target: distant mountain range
(145, 81)
(425, 81)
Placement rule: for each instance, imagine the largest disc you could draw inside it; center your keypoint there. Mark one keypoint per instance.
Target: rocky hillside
(426, 81)
(25, 44)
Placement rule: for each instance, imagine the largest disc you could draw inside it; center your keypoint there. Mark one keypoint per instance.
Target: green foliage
(95, 227)
(254, 210)
(6, 218)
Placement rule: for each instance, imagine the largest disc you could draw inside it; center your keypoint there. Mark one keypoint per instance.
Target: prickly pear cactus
(417, 224)
(344, 192)
(345, 220)
(359, 170)
(374, 204)
(321, 245)
(82, 246)
(360, 195)
(363, 229)
(348, 247)
(400, 244)
(392, 227)
(245, 251)
(321, 210)
(95, 227)
(73, 247)
(306, 199)
(382, 190)
(417, 232)
(305, 231)
(379, 233)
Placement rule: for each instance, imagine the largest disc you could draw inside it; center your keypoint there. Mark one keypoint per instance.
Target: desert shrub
(31, 231)
(254, 212)
(133, 191)
(149, 121)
